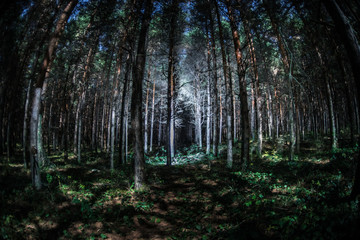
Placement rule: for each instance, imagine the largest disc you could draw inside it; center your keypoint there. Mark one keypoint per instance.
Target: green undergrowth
(197, 198)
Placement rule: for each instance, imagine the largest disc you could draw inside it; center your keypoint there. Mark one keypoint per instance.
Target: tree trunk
(122, 110)
(228, 93)
(26, 111)
(45, 68)
(270, 112)
(215, 88)
(112, 136)
(152, 116)
(245, 145)
(78, 153)
(334, 141)
(208, 110)
(147, 112)
(221, 116)
(198, 134)
(171, 85)
(95, 121)
(291, 118)
(40, 147)
(160, 124)
(136, 99)
(76, 126)
(256, 87)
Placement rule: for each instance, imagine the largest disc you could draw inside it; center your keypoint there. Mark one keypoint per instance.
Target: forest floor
(198, 198)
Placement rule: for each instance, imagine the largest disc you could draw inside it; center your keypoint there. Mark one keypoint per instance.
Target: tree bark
(122, 110)
(44, 72)
(160, 123)
(208, 110)
(215, 88)
(26, 114)
(146, 143)
(136, 99)
(152, 116)
(171, 85)
(245, 145)
(197, 105)
(228, 94)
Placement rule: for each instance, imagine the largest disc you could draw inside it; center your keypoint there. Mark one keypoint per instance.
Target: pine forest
(179, 119)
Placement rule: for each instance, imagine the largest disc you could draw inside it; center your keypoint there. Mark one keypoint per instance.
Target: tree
(174, 8)
(228, 94)
(36, 104)
(241, 69)
(136, 99)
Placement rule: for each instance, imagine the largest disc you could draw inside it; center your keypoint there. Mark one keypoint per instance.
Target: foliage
(274, 198)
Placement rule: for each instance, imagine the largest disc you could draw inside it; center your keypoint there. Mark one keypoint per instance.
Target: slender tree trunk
(50, 119)
(126, 134)
(26, 111)
(198, 134)
(256, 87)
(45, 68)
(160, 123)
(215, 89)
(122, 110)
(76, 126)
(334, 141)
(221, 116)
(228, 92)
(298, 122)
(136, 100)
(112, 136)
(152, 116)
(79, 128)
(234, 134)
(79, 140)
(208, 111)
(2, 91)
(291, 118)
(94, 121)
(40, 146)
(245, 146)
(147, 112)
(270, 111)
(171, 85)
(253, 111)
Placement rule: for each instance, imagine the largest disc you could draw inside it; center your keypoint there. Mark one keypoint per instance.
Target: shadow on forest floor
(273, 199)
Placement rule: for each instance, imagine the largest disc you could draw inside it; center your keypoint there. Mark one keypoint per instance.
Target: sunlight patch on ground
(317, 161)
